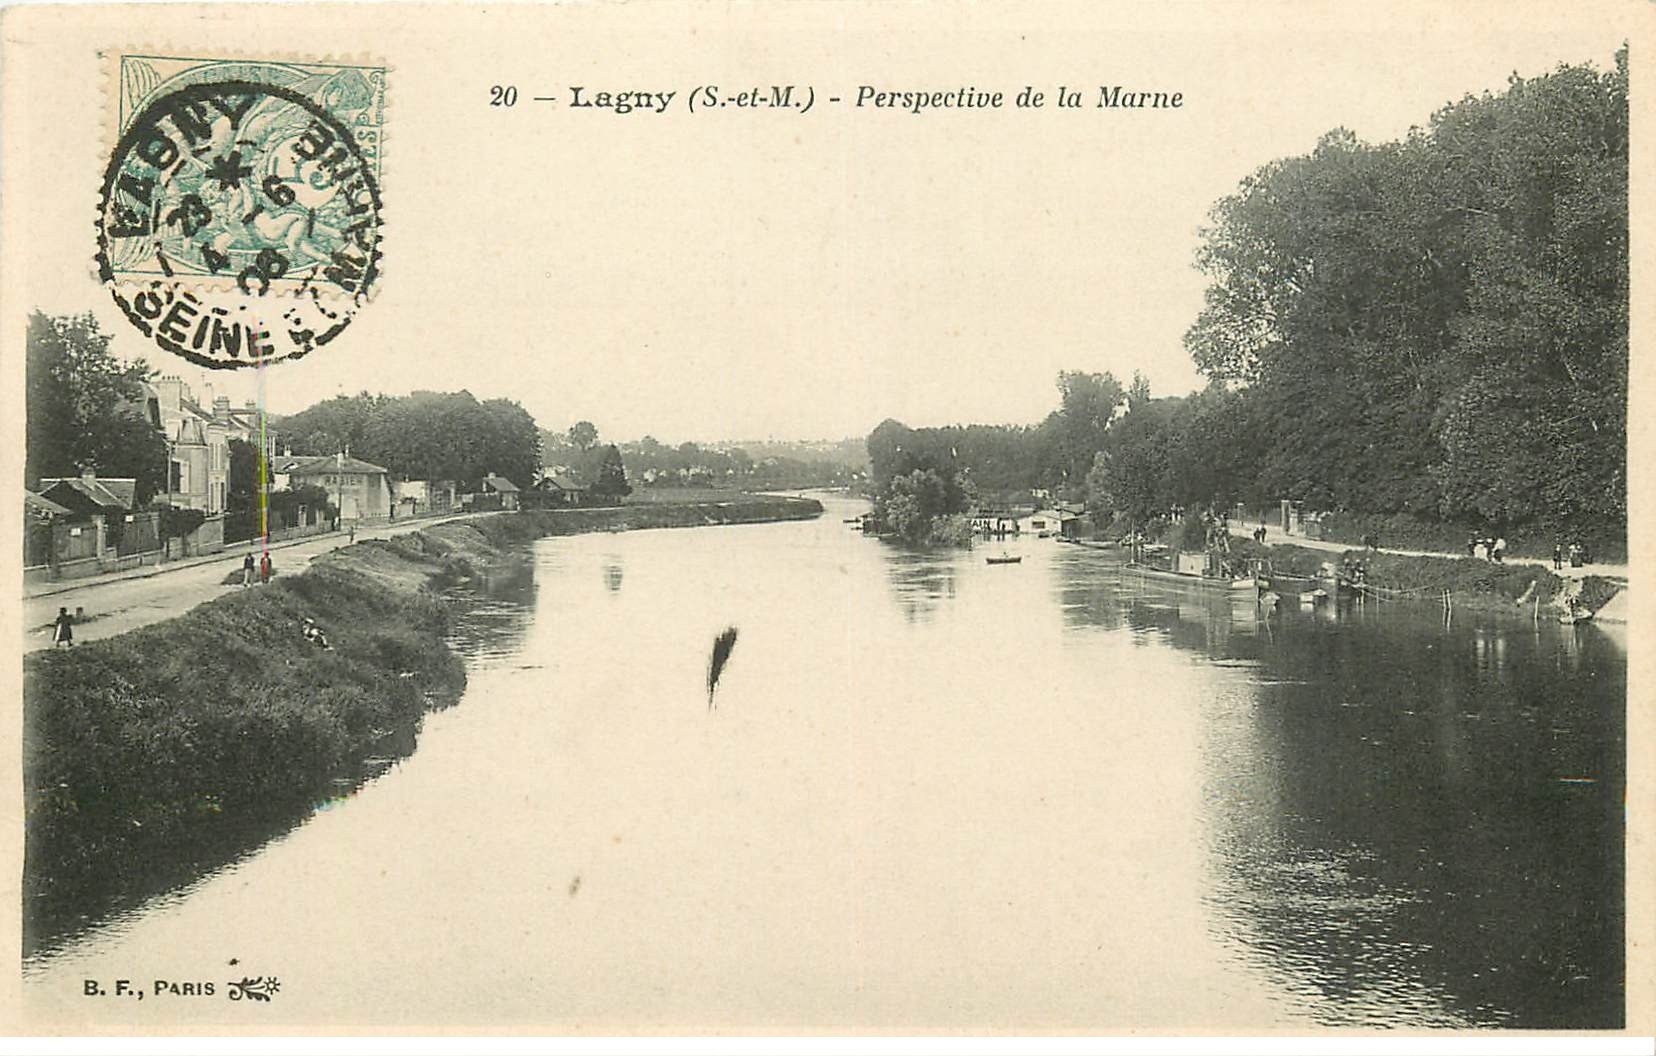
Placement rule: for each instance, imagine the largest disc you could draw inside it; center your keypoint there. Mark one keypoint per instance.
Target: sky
(780, 276)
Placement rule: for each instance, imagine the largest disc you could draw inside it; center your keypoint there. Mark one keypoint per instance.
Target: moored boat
(1245, 584)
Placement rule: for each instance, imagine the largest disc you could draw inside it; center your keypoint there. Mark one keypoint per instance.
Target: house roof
(41, 504)
(288, 463)
(562, 482)
(498, 483)
(104, 491)
(330, 464)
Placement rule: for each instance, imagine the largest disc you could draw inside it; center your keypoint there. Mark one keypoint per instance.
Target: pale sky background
(769, 275)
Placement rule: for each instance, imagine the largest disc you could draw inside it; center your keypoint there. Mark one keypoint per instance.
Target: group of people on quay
(1494, 548)
(1489, 548)
(1577, 554)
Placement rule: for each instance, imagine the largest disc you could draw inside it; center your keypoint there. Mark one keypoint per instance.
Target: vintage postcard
(827, 519)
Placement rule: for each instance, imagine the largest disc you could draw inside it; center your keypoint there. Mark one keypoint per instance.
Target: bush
(1458, 575)
(176, 522)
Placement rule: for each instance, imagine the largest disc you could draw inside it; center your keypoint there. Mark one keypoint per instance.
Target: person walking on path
(1498, 552)
(247, 571)
(266, 569)
(1558, 556)
(63, 630)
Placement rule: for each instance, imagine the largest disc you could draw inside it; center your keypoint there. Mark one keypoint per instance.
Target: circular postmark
(239, 223)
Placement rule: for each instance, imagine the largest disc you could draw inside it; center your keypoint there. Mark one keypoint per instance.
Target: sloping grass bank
(1470, 581)
(157, 754)
(154, 756)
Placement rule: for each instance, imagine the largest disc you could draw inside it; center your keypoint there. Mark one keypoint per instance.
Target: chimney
(339, 460)
(89, 474)
(221, 407)
(169, 391)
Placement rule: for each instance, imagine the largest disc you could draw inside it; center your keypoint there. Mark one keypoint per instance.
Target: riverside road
(121, 602)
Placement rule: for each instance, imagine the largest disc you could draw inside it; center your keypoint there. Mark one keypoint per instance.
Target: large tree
(583, 434)
(1437, 326)
(1087, 403)
(86, 409)
(1130, 475)
(609, 480)
(1537, 422)
(425, 435)
(331, 426)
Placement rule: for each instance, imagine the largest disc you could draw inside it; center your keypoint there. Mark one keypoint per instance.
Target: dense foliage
(1438, 326)
(609, 481)
(85, 408)
(423, 436)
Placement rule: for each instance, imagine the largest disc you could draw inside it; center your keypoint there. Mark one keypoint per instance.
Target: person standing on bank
(266, 569)
(63, 630)
(247, 571)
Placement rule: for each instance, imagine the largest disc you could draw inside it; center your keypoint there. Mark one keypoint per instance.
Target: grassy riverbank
(1470, 581)
(155, 755)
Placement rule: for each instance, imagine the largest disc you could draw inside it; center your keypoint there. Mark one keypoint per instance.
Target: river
(932, 793)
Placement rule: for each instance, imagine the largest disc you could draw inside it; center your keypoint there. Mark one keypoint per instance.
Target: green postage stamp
(239, 215)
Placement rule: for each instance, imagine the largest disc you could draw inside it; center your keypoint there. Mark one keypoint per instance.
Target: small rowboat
(1004, 559)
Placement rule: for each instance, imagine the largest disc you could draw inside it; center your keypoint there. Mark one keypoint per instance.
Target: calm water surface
(936, 793)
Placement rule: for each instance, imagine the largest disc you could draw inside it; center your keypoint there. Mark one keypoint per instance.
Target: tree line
(695, 465)
(422, 436)
(1429, 334)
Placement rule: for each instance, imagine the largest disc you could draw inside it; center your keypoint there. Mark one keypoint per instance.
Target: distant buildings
(1050, 522)
(560, 489)
(358, 490)
(1062, 519)
(505, 489)
(416, 498)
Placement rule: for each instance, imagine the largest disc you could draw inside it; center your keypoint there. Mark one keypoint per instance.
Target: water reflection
(1406, 820)
(920, 580)
(491, 613)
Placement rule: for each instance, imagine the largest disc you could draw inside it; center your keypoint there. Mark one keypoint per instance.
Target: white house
(1049, 522)
(198, 449)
